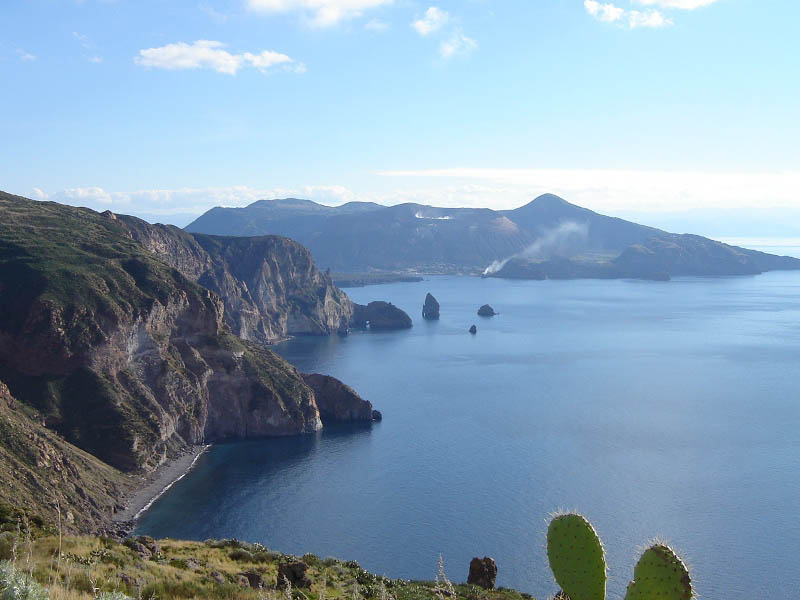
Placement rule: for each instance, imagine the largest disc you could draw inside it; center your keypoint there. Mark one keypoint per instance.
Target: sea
(660, 410)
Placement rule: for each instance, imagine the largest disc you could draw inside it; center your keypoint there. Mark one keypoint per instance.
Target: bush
(7, 539)
(15, 585)
(241, 555)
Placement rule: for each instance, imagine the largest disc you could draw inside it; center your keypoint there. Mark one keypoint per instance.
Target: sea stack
(486, 311)
(473, 330)
(430, 310)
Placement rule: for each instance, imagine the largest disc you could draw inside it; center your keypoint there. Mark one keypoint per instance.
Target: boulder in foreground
(482, 572)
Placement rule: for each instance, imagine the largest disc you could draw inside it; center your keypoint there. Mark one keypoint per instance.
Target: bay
(667, 410)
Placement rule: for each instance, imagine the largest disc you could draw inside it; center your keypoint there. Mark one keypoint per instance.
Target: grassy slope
(182, 570)
(41, 473)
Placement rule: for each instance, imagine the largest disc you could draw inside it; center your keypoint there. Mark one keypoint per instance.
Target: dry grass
(88, 566)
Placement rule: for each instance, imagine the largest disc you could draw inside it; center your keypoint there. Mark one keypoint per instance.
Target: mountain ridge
(415, 238)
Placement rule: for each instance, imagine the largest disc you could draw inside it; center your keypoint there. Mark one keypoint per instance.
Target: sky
(680, 113)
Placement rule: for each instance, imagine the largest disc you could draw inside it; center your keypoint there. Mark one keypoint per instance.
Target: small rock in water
(482, 572)
(473, 330)
(377, 416)
(486, 311)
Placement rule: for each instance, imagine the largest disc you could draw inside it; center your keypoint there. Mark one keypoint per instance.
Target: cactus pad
(660, 575)
(576, 557)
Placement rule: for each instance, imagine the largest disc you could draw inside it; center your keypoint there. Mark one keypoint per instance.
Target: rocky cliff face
(40, 471)
(339, 403)
(380, 316)
(270, 285)
(123, 355)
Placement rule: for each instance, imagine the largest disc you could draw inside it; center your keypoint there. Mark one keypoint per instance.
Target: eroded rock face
(380, 316)
(430, 310)
(482, 572)
(339, 403)
(123, 355)
(270, 285)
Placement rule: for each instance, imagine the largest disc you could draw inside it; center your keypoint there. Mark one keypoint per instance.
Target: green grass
(88, 565)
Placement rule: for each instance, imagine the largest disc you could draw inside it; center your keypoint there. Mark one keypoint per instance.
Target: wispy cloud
(320, 13)
(609, 12)
(376, 26)
(209, 54)
(679, 4)
(434, 19)
(457, 44)
(610, 191)
(25, 56)
(210, 11)
(604, 12)
(82, 39)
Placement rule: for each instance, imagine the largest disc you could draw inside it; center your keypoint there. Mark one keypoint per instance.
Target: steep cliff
(40, 473)
(269, 284)
(339, 403)
(122, 354)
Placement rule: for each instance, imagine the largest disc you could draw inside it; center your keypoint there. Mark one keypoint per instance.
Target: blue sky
(165, 108)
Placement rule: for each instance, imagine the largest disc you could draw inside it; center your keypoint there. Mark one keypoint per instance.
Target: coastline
(156, 484)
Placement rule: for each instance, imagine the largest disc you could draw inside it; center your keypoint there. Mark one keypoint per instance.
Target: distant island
(548, 238)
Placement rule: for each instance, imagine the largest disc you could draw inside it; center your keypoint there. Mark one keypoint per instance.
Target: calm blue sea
(667, 410)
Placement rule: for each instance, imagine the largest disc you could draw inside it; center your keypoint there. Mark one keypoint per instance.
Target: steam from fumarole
(557, 240)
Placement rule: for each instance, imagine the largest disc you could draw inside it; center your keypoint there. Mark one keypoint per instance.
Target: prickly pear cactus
(660, 575)
(576, 557)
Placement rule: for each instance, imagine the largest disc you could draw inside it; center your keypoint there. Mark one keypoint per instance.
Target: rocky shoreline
(155, 485)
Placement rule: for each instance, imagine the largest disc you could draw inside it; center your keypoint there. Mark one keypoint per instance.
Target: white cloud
(651, 18)
(614, 190)
(435, 18)
(611, 13)
(457, 44)
(698, 201)
(604, 12)
(679, 4)
(208, 54)
(83, 40)
(322, 13)
(95, 59)
(376, 26)
(25, 56)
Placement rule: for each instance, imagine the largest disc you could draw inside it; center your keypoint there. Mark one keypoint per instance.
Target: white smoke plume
(557, 240)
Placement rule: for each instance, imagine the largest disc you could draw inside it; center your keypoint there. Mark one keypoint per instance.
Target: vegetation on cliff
(270, 285)
(86, 567)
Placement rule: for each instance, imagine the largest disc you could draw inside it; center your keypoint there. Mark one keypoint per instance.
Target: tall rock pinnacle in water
(430, 310)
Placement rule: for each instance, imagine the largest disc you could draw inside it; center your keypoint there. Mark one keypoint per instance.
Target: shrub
(241, 555)
(312, 560)
(7, 540)
(15, 585)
